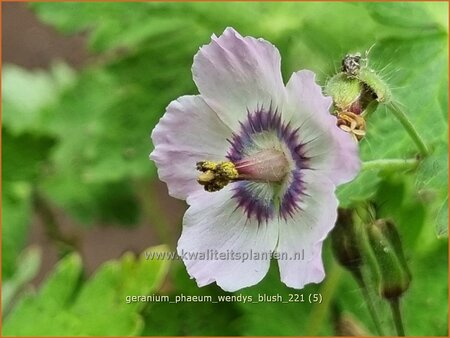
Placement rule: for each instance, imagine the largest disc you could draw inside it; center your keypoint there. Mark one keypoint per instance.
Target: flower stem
(410, 129)
(390, 164)
(397, 316)
(368, 299)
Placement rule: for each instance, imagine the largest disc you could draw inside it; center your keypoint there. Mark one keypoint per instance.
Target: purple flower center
(268, 155)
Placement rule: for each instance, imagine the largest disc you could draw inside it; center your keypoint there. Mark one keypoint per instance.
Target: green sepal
(344, 90)
(375, 84)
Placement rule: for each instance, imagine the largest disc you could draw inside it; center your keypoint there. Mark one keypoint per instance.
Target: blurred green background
(83, 85)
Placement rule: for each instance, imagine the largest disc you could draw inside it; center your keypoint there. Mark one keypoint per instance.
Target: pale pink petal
(306, 230)
(235, 73)
(213, 223)
(188, 132)
(328, 148)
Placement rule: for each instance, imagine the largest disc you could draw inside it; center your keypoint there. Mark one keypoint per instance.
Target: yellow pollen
(215, 176)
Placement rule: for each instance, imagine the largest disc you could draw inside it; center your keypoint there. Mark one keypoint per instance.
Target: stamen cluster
(215, 176)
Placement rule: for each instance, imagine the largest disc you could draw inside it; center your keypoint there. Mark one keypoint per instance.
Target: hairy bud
(394, 274)
(344, 240)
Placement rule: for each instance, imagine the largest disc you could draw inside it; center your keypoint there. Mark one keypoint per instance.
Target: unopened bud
(357, 87)
(394, 274)
(344, 241)
(345, 91)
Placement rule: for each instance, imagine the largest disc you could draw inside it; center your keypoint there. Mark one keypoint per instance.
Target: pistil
(268, 165)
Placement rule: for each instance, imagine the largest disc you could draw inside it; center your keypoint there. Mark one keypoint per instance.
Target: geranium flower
(257, 162)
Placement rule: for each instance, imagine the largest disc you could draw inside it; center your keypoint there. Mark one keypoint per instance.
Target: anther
(215, 176)
(353, 124)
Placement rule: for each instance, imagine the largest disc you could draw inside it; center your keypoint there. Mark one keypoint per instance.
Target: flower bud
(394, 274)
(357, 86)
(344, 241)
(345, 91)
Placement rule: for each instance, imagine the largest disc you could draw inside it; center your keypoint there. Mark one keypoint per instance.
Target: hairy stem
(409, 127)
(368, 299)
(397, 316)
(391, 164)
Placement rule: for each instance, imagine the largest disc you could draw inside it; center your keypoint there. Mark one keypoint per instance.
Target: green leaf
(16, 215)
(26, 93)
(419, 15)
(46, 308)
(361, 188)
(122, 25)
(397, 198)
(433, 173)
(24, 159)
(426, 313)
(92, 202)
(442, 220)
(432, 182)
(28, 264)
(65, 306)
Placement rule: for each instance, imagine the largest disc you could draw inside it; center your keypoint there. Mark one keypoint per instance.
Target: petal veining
(235, 73)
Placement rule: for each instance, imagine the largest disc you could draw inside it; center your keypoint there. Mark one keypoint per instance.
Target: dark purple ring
(284, 203)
